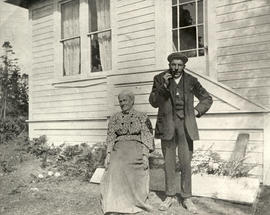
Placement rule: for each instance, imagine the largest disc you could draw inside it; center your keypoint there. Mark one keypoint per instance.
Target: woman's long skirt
(125, 184)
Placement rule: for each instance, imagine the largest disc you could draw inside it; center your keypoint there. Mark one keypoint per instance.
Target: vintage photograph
(158, 107)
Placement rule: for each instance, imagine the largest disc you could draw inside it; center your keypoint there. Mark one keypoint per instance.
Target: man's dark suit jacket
(162, 98)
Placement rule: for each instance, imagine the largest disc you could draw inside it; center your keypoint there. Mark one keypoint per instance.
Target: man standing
(173, 94)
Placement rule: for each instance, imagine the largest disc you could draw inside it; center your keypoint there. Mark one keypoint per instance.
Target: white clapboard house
(86, 51)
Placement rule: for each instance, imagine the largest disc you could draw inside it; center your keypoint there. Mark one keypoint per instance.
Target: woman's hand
(145, 162)
(107, 161)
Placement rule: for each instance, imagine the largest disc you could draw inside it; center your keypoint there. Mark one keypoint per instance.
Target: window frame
(205, 65)
(196, 25)
(85, 48)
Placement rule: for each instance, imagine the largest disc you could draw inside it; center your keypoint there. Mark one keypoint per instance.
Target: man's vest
(179, 101)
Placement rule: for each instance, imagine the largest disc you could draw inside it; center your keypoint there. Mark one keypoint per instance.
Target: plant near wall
(11, 128)
(13, 95)
(80, 160)
(209, 162)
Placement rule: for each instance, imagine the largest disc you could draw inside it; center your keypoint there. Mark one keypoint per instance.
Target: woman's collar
(130, 111)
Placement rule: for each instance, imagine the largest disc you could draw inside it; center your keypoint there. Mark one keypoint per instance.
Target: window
(188, 27)
(70, 38)
(85, 42)
(100, 35)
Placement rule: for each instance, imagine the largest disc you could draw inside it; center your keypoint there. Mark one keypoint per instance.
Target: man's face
(177, 65)
(125, 103)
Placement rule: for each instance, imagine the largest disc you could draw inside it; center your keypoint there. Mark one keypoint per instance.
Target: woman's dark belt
(136, 137)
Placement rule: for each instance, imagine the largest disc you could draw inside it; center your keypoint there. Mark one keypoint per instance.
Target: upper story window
(86, 40)
(70, 38)
(188, 27)
(100, 35)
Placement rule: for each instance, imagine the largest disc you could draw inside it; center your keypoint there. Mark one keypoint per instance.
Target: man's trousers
(184, 144)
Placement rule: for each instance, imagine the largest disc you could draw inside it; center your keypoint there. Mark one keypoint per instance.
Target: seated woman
(125, 184)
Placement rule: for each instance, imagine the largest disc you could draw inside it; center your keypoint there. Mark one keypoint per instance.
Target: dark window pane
(201, 52)
(188, 38)
(184, 1)
(201, 40)
(174, 2)
(175, 40)
(190, 53)
(200, 37)
(174, 17)
(200, 12)
(95, 55)
(187, 14)
(101, 52)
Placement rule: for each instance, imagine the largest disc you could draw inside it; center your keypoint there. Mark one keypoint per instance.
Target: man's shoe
(166, 203)
(188, 204)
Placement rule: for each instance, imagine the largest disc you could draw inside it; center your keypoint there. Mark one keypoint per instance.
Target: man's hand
(145, 162)
(107, 161)
(166, 78)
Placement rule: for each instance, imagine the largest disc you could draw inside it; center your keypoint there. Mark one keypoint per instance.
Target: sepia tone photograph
(158, 107)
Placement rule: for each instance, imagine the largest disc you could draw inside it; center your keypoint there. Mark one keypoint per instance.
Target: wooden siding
(243, 32)
(72, 132)
(63, 112)
(135, 26)
(76, 112)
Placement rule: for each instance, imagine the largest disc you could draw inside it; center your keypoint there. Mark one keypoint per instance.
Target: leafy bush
(10, 128)
(37, 146)
(13, 85)
(208, 162)
(74, 161)
(81, 160)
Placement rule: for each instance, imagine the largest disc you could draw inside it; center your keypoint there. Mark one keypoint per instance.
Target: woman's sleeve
(111, 135)
(147, 135)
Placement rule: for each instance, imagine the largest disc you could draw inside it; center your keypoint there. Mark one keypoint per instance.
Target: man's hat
(177, 55)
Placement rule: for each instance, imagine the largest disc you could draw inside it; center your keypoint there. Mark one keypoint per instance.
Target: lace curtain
(70, 37)
(104, 39)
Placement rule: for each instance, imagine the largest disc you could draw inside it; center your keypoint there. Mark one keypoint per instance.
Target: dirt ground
(263, 202)
(23, 193)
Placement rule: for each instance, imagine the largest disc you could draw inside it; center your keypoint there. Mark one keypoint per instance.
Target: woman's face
(125, 102)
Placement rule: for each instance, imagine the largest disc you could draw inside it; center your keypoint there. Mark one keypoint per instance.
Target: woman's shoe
(149, 208)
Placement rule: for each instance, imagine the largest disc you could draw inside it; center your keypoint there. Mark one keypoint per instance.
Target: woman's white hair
(128, 93)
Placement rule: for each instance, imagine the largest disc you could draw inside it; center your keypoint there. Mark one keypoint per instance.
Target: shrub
(81, 160)
(74, 161)
(209, 162)
(10, 128)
